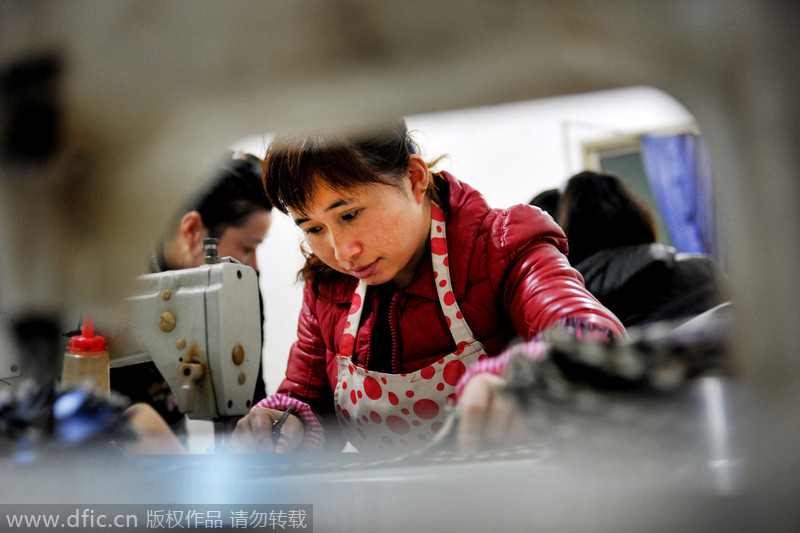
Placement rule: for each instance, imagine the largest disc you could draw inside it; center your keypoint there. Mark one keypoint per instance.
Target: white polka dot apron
(400, 412)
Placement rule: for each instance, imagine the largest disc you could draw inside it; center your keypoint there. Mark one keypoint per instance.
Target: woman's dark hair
(599, 211)
(296, 166)
(547, 201)
(233, 193)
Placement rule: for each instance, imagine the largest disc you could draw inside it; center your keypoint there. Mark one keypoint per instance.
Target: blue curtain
(680, 177)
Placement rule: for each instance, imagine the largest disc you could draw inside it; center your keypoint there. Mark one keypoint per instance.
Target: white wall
(508, 152)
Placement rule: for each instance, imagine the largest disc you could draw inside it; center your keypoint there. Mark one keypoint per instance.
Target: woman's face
(376, 233)
(241, 242)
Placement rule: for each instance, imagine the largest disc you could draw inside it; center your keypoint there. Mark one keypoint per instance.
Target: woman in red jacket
(411, 279)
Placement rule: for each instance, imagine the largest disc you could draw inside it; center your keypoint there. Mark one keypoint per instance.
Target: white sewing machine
(202, 329)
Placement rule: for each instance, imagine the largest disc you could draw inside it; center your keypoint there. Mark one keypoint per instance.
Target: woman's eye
(313, 231)
(350, 216)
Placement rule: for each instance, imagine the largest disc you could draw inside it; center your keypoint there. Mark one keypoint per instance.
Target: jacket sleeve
(539, 287)
(306, 374)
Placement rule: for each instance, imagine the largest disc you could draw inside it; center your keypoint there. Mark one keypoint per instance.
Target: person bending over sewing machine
(612, 243)
(410, 279)
(231, 207)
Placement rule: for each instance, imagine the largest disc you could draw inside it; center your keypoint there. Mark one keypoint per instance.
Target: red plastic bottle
(86, 360)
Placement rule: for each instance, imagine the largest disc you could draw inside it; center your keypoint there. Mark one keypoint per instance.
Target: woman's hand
(153, 434)
(253, 432)
(487, 417)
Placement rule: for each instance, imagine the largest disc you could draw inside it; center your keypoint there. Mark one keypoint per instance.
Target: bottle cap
(87, 341)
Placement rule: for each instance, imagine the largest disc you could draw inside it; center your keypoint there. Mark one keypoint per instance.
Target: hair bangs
(296, 168)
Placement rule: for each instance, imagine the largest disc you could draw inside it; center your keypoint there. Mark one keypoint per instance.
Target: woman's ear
(419, 176)
(192, 229)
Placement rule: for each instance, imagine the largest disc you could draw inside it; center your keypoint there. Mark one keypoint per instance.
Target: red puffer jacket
(509, 277)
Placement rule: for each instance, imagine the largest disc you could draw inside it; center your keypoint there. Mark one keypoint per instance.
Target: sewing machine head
(202, 328)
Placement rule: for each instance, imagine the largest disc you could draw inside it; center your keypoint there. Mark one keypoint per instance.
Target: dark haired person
(411, 278)
(612, 243)
(232, 207)
(547, 201)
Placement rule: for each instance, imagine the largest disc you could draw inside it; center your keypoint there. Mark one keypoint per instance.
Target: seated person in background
(231, 207)
(612, 242)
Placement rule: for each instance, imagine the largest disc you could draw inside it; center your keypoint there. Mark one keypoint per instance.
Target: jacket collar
(607, 270)
(465, 210)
